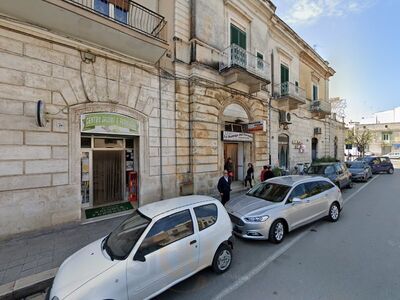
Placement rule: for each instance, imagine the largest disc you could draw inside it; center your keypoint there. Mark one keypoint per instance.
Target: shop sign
(257, 126)
(237, 136)
(109, 123)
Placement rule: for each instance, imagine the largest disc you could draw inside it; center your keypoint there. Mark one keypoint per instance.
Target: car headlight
(257, 219)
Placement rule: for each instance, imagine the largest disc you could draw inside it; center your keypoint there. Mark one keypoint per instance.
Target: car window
(206, 215)
(329, 170)
(272, 192)
(166, 231)
(325, 185)
(376, 161)
(298, 192)
(338, 168)
(385, 159)
(313, 188)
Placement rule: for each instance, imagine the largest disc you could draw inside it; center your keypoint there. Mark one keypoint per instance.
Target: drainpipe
(269, 108)
(161, 148)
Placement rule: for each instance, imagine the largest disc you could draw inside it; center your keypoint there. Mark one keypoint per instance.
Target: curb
(26, 286)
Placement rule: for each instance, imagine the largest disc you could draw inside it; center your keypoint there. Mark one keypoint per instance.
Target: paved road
(356, 258)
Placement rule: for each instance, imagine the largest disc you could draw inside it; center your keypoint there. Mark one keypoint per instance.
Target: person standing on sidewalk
(224, 187)
(250, 175)
(268, 173)
(229, 167)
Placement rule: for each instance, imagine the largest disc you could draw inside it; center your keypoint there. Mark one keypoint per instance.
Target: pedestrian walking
(229, 167)
(249, 175)
(224, 187)
(268, 173)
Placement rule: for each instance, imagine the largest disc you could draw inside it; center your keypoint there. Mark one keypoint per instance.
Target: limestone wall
(40, 167)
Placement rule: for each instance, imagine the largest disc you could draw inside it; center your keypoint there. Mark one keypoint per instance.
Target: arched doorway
(314, 149)
(335, 147)
(283, 151)
(237, 141)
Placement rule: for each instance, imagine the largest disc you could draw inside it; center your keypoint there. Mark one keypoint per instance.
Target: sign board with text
(257, 126)
(109, 123)
(236, 136)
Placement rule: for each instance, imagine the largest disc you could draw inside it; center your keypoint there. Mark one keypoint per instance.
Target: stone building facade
(206, 81)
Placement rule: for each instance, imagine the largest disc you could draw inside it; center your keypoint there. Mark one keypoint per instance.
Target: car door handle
(193, 242)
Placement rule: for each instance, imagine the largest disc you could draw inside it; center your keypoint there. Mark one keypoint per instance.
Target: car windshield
(321, 169)
(120, 241)
(269, 191)
(356, 165)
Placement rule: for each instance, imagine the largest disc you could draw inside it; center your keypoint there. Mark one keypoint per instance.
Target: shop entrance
(283, 151)
(108, 182)
(231, 151)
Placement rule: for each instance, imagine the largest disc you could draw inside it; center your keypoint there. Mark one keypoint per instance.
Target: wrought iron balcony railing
(288, 89)
(320, 106)
(128, 13)
(236, 56)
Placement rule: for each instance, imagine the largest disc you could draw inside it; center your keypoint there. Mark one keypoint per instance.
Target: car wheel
(334, 212)
(391, 171)
(222, 259)
(277, 232)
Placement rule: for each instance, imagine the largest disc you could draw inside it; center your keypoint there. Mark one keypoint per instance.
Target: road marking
(360, 189)
(248, 276)
(242, 280)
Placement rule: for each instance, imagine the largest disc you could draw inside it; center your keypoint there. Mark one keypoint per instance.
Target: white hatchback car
(159, 245)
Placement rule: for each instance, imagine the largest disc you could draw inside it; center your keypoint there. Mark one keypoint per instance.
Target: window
(238, 36)
(86, 142)
(386, 136)
(313, 188)
(166, 231)
(119, 11)
(206, 215)
(260, 61)
(315, 92)
(325, 185)
(298, 192)
(329, 170)
(269, 191)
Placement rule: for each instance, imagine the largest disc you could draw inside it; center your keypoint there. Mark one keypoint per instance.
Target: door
(283, 151)
(171, 252)
(108, 180)
(316, 199)
(238, 55)
(231, 151)
(297, 213)
(376, 165)
(284, 80)
(314, 147)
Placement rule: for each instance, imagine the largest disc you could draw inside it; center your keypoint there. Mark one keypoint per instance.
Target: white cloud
(309, 11)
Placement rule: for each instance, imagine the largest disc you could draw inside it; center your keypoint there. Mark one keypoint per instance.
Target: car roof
(292, 180)
(154, 209)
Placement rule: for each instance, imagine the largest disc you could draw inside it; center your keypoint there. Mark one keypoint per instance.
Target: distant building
(387, 116)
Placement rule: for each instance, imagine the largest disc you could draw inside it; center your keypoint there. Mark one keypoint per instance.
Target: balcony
(288, 96)
(239, 65)
(123, 26)
(320, 108)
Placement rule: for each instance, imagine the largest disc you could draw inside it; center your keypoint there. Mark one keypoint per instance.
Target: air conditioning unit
(317, 130)
(284, 117)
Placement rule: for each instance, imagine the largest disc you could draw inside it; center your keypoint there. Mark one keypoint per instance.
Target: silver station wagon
(276, 206)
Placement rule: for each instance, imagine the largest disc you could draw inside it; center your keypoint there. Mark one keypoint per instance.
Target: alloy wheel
(224, 260)
(334, 212)
(279, 231)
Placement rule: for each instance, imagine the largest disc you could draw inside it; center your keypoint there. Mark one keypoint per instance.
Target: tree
(359, 138)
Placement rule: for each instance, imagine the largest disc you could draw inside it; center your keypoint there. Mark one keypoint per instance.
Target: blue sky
(361, 40)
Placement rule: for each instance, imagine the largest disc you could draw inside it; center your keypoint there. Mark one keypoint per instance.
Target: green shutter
(238, 37)
(315, 92)
(284, 74)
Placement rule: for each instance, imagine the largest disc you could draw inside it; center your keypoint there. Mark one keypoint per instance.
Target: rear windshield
(356, 165)
(269, 191)
(321, 169)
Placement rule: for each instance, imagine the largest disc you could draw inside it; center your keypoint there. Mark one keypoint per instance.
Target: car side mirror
(139, 257)
(297, 200)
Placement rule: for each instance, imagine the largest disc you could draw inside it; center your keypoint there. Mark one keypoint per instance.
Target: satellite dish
(41, 114)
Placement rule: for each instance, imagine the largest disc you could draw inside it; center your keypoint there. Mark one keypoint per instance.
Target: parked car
(359, 170)
(393, 155)
(278, 205)
(159, 245)
(335, 171)
(379, 164)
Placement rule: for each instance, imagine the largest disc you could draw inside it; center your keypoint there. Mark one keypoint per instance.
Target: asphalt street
(355, 258)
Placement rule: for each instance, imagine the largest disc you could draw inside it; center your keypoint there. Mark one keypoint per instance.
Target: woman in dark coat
(249, 175)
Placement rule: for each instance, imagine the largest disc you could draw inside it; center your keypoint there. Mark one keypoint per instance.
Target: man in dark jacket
(268, 174)
(224, 187)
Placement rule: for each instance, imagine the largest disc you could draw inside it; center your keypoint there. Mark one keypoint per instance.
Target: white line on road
(242, 280)
(360, 189)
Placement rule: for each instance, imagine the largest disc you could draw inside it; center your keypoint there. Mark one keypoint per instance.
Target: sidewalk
(43, 251)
